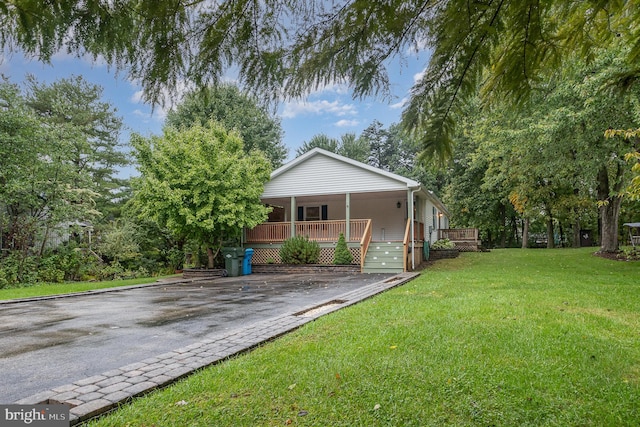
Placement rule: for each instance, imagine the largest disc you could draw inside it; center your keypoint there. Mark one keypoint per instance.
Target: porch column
(412, 229)
(347, 216)
(293, 216)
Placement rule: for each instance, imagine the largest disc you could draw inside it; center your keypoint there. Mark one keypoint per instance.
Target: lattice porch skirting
(272, 255)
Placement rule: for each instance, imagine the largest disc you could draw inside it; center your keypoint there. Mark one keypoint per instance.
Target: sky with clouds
(331, 111)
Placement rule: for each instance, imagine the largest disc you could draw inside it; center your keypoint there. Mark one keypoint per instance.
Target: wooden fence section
(465, 239)
(319, 231)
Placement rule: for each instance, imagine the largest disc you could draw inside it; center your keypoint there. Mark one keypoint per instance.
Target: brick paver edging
(98, 394)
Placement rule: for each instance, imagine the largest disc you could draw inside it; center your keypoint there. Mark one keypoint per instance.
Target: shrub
(299, 250)
(18, 268)
(443, 244)
(119, 243)
(49, 271)
(342, 254)
(174, 258)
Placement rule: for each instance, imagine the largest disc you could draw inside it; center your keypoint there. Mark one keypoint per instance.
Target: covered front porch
(267, 238)
(384, 217)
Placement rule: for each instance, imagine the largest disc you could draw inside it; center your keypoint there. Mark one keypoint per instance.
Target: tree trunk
(550, 239)
(513, 238)
(45, 236)
(525, 234)
(609, 208)
(210, 257)
(609, 214)
(503, 226)
(576, 234)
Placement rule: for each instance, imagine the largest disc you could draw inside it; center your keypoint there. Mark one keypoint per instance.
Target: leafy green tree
(320, 140)
(119, 242)
(354, 148)
(633, 157)
(348, 146)
(579, 111)
(404, 161)
(476, 194)
(550, 159)
(236, 110)
(291, 47)
(200, 184)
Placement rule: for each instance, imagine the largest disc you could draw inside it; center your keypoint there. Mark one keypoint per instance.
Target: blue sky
(331, 111)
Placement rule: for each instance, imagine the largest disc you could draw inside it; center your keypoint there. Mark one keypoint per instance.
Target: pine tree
(342, 254)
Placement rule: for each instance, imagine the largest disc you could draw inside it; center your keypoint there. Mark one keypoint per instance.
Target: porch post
(347, 215)
(293, 216)
(413, 229)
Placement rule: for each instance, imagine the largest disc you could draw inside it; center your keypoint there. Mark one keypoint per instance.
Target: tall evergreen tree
(91, 128)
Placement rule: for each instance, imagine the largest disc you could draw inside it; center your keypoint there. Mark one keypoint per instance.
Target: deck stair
(384, 257)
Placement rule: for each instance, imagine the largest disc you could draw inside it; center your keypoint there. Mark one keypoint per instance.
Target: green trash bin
(233, 261)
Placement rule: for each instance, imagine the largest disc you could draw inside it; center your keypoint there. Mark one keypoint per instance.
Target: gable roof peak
(322, 152)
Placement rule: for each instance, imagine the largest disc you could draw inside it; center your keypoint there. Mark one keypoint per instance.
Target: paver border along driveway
(103, 390)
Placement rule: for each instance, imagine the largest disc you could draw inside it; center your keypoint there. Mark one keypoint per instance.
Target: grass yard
(507, 338)
(67, 288)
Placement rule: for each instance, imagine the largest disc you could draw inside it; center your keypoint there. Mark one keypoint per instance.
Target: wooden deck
(465, 239)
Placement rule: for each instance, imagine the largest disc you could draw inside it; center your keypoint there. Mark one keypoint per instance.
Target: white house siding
(388, 221)
(325, 175)
(436, 219)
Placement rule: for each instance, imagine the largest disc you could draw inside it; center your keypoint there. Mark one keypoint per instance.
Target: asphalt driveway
(47, 343)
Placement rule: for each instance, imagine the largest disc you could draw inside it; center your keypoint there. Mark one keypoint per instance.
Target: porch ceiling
(284, 201)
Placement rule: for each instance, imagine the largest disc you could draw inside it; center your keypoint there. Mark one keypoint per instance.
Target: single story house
(384, 217)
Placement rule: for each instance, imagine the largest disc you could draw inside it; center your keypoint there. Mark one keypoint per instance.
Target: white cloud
(347, 123)
(167, 99)
(400, 104)
(137, 96)
(420, 46)
(158, 115)
(337, 88)
(418, 76)
(295, 109)
(139, 113)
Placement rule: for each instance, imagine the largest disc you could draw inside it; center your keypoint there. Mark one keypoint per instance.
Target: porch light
(399, 205)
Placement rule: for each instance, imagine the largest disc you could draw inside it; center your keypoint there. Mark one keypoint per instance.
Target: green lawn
(507, 338)
(67, 288)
